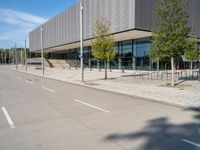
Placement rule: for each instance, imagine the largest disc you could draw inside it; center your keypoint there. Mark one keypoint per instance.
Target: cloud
(15, 25)
(19, 18)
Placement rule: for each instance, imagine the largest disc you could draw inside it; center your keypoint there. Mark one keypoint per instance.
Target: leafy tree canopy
(193, 52)
(103, 43)
(171, 35)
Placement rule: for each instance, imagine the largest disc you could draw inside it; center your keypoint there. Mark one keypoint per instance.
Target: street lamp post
(5, 58)
(42, 51)
(81, 40)
(25, 56)
(1, 57)
(21, 53)
(16, 59)
(9, 56)
(12, 56)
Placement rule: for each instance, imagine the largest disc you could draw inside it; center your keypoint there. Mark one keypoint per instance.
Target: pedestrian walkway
(184, 95)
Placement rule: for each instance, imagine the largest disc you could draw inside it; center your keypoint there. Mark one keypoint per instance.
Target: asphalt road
(43, 114)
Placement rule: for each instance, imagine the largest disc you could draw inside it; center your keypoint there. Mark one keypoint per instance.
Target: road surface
(43, 114)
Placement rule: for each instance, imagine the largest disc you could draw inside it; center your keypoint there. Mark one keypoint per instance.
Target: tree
(172, 32)
(103, 43)
(192, 53)
(155, 52)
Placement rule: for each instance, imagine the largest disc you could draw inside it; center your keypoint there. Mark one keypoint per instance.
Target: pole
(5, 57)
(25, 55)
(21, 56)
(12, 57)
(16, 59)
(42, 52)
(1, 58)
(172, 67)
(81, 40)
(9, 56)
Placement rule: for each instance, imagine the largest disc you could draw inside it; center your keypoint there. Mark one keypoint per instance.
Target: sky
(19, 17)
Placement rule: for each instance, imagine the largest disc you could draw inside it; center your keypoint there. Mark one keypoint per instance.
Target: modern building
(131, 24)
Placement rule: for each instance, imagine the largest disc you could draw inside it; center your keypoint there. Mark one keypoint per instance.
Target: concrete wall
(64, 28)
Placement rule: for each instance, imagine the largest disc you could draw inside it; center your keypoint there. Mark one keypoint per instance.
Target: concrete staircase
(73, 63)
(37, 62)
(56, 63)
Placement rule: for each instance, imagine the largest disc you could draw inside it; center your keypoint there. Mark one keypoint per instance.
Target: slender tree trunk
(158, 64)
(98, 65)
(106, 69)
(108, 65)
(191, 67)
(172, 67)
(165, 66)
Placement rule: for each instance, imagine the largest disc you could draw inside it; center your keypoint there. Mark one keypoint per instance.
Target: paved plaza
(185, 94)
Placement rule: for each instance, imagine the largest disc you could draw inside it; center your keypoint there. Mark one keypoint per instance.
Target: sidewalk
(187, 95)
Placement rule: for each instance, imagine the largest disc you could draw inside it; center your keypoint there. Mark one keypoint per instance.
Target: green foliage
(193, 52)
(171, 35)
(34, 54)
(155, 52)
(103, 43)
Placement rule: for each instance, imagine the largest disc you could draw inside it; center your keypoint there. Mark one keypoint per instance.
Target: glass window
(198, 44)
(142, 49)
(142, 54)
(127, 49)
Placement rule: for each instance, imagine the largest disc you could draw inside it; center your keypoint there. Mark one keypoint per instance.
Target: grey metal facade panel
(145, 15)
(194, 11)
(64, 28)
(122, 14)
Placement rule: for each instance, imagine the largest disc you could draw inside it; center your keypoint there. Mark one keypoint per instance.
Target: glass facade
(142, 55)
(131, 54)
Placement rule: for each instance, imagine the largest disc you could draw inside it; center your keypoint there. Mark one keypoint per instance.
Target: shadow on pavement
(160, 134)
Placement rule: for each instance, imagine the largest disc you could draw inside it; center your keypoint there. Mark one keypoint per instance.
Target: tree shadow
(160, 134)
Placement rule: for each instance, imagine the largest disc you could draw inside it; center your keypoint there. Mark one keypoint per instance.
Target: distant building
(131, 24)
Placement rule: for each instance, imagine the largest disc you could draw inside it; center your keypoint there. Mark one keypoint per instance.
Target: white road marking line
(190, 142)
(48, 89)
(10, 122)
(29, 82)
(95, 107)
